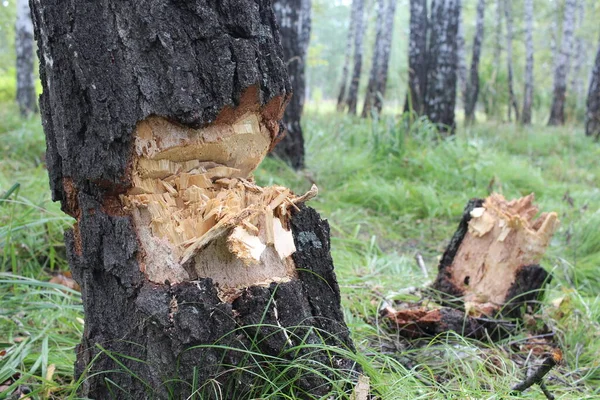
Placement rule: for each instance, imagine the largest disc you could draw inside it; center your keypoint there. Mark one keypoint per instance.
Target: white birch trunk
(26, 97)
(528, 92)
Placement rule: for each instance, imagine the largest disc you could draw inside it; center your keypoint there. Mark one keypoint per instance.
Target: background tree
(472, 91)
(592, 120)
(341, 99)
(509, 60)
(462, 72)
(580, 57)
(417, 57)
(360, 27)
(381, 57)
(26, 97)
(529, 78)
(557, 110)
(294, 24)
(440, 96)
(149, 107)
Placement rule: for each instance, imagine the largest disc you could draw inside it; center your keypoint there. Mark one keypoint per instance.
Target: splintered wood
(503, 237)
(490, 269)
(197, 217)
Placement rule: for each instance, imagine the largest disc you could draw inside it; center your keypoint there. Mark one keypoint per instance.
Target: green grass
(388, 193)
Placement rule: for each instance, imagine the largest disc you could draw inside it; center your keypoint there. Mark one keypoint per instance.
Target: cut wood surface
(489, 271)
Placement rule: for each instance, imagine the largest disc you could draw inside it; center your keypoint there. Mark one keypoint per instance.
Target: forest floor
(388, 194)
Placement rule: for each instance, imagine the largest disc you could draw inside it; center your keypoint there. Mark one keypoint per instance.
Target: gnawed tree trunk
(417, 57)
(294, 25)
(528, 92)
(341, 100)
(472, 91)
(557, 111)
(381, 58)
(26, 97)
(509, 62)
(489, 273)
(193, 279)
(359, 34)
(592, 121)
(440, 96)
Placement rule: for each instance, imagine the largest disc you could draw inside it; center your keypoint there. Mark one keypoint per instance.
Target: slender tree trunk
(462, 70)
(491, 100)
(440, 97)
(341, 101)
(360, 28)
(294, 23)
(557, 112)
(193, 279)
(509, 39)
(592, 122)
(381, 58)
(387, 53)
(417, 57)
(528, 92)
(580, 57)
(472, 91)
(26, 97)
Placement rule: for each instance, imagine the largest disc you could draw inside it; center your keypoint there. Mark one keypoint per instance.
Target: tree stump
(194, 280)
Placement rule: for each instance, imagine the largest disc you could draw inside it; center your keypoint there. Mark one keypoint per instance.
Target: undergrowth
(389, 192)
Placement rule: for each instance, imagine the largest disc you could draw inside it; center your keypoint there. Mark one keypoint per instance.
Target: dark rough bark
(381, 58)
(417, 57)
(557, 110)
(512, 99)
(528, 92)
(360, 28)
(294, 25)
(472, 91)
(105, 66)
(341, 100)
(440, 96)
(26, 97)
(592, 123)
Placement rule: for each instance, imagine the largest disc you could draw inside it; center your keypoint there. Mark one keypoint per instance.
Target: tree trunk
(557, 112)
(417, 57)
(462, 71)
(580, 57)
(360, 28)
(509, 39)
(528, 92)
(491, 102)
(592, 122)
(26, 97)
(194, 280)
(472, 91)
(440, 97)
(341, 101)
(294, 25)
(381, 58)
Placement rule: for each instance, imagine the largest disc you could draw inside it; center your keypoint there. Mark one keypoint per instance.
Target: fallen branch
(538, 375)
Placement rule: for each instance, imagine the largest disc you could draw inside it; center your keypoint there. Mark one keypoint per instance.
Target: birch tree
(509, 61)
(557, 110)
(26, 97)
(472, 91)
(528, 92)
(359, 34)
(341, 100)
(417, 57)
(592, 120)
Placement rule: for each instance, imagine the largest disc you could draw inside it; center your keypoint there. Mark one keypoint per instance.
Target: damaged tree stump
(488, 274)
(194, 280)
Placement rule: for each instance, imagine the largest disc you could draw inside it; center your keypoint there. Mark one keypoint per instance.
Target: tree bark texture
(462, 72)
(294, 25)
(26, 97)
(509, 61)
(417, 57)
(440, 97)
(557, 111)
(341, 100)
(381, 57)
(472, 91)
(126, 79)
(579, 59)
(592, 121)
(359, 34)
(528, 92)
